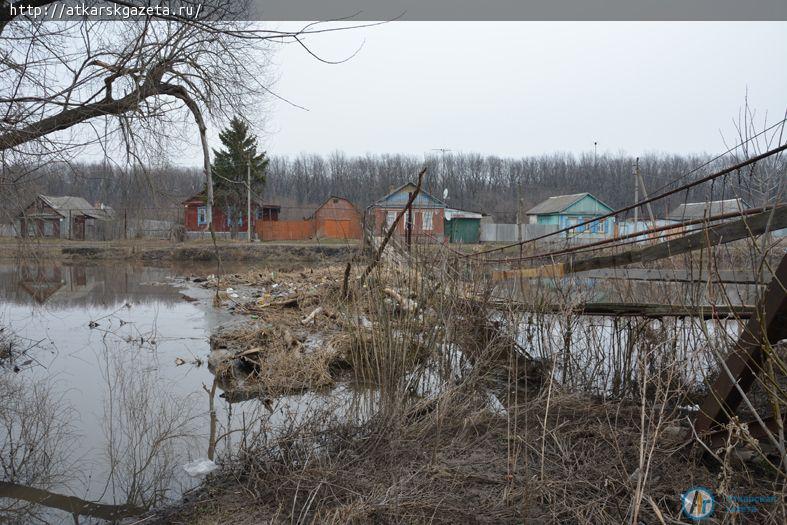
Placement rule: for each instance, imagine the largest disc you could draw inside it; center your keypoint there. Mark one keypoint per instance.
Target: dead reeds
(459, 405)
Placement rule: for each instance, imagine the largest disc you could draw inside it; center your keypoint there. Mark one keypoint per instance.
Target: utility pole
(248, 199)
(636, 195)
(518, 214)
(641, 182)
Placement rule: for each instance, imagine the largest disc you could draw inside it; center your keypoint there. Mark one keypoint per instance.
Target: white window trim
(427, 225)
(202, 210)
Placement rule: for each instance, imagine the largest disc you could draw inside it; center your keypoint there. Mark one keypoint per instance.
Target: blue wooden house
(567, 210)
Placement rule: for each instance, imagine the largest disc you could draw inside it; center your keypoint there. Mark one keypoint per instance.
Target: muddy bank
(455, 413)
(151, 251)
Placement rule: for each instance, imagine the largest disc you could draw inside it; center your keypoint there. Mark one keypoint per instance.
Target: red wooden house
(196, 216)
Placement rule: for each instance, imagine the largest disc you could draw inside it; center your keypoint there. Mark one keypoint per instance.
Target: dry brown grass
(480, 414)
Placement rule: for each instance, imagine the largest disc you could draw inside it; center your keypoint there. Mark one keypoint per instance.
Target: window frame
(424, 215)
(202, 215)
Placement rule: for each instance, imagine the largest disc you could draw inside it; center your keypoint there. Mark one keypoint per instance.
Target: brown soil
(151, 250)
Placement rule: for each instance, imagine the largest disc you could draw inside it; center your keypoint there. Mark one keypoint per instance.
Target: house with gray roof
(64, 217)
(563, 211)
(702, 210)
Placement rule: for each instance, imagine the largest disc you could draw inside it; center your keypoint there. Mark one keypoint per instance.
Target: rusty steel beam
(717, 438)
(714, 235)
(740, 369)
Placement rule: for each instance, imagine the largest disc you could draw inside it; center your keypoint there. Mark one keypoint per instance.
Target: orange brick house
(336, 218)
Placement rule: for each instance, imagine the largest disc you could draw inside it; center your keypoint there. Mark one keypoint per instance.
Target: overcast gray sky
(522, 88)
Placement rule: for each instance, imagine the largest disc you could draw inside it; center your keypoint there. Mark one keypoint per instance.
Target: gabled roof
(75, 207)
(409, 186)
(560, 203)
(326, 201)
(698, 210)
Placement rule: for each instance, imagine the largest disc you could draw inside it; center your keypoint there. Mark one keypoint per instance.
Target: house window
(426, 220)
(202, 215)
(48, 229)
(229, 219)
(390, 218)
(258, 214)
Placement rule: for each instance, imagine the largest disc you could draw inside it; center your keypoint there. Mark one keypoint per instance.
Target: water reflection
(100, 422)
(67, 286)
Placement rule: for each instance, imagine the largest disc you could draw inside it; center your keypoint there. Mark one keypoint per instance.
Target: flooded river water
(107, 393)
(100, 412)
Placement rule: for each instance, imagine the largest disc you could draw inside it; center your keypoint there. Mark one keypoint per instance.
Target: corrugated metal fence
(508, 232)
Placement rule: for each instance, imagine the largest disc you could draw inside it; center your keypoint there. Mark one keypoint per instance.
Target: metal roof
(76, 206)
(557, 204)
(202, 197)
(698, 210)
(423, 194)
(451, 213)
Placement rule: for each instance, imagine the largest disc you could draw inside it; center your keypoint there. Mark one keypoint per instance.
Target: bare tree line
(490, 184)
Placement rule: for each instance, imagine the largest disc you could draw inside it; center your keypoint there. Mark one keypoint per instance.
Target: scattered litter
(200, 467)
(309, 318)
(92, 324)
(495, 405)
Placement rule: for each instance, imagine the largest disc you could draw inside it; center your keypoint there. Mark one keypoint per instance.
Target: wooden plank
(712, 236)
(636, 309)
(676, 275)
(745, 361)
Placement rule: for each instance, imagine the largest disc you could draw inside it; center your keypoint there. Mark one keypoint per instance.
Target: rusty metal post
(769, 324)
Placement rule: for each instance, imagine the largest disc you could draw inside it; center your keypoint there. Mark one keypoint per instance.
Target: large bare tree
(137, 84)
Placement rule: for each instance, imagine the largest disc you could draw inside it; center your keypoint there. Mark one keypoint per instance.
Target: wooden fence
(301, 230)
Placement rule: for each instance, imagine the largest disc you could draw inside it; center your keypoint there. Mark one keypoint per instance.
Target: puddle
(103, 399)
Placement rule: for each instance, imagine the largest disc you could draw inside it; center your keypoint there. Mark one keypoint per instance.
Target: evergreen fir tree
(229, 171)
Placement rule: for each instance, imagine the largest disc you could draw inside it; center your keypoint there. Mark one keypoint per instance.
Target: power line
(613, 213)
